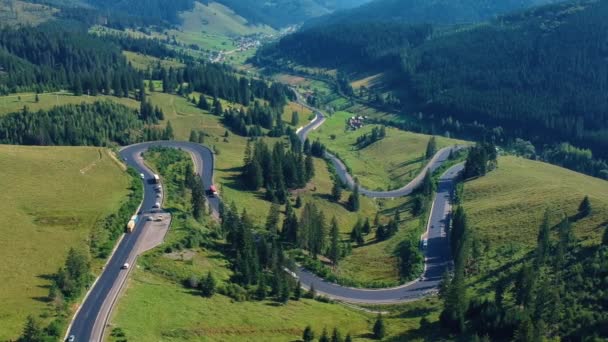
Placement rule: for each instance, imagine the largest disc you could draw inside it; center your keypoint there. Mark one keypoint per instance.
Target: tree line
(50, 57)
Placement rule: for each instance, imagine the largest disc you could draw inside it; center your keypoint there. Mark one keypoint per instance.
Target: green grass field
(154, 309)
(145, 62)
(507, 205)
(21, 12)
(386, 164)
(52, 198)
(218, 19)
(15, 102)
(505, 209)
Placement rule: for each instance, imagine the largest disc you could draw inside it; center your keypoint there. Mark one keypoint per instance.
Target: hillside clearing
(45, 213)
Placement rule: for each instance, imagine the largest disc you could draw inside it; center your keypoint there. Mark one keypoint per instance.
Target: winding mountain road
(90, 320)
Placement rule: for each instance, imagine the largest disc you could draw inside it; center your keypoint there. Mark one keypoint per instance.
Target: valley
(322, 170)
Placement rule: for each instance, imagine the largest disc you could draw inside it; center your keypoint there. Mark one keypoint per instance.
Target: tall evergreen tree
(584, 208)
(334, 244)
(272, 220)
(353, 199)
(336, 191)
(431, 148)
(308, 335)
(324, 336)
(32, 332)
(379, 330)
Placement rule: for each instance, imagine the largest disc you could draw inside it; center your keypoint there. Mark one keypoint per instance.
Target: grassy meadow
(389, 163)
(45, 213)
(15, 102)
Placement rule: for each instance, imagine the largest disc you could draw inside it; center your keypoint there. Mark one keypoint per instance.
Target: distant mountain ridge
(427, 11)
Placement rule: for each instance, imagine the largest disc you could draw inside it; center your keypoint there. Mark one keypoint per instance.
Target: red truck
(212, 191)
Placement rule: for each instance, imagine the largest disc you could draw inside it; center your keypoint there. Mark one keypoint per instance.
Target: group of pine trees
(97, 124)
(378, 333)
(481, 159)
(377, 133)
(253, 121)
(258, 259)
(276, 169)
(554, 294)
(50, 57)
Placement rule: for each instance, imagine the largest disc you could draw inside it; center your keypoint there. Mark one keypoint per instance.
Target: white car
(142, 176)
(71, 338)
(125, 266)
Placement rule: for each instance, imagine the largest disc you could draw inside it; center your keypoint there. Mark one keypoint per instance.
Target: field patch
(46, 211)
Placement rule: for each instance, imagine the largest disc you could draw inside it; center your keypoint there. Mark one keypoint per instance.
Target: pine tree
(543, 242)
(348, 338)
(336, 191)
(353, 199)
(431, 148)
(356, 234)
(198, 199)
(298, 202)
(295, 118)
(308, 335)
(32, 332)
(324, 336)
(297, 291)
(367, 228)
(605, 238)
(309, 168)
(312, 292)
(217, 107)
(427, 184)
(272, 220)
(334, 244)
(379, 330)
(336, 336)
(207, 285)
(151, 88)
(168, 133)
(37, 99)
(584, 209)
(193, 136)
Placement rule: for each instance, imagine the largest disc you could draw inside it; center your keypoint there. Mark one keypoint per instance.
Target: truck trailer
(156, 179)
(131, 224)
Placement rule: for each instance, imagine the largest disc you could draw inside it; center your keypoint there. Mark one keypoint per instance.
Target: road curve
(89, 322)
(437, 254)
(438, 159)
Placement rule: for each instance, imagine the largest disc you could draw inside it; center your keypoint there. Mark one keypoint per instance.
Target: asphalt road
(437, 258)
(437, 254)
(88, 323)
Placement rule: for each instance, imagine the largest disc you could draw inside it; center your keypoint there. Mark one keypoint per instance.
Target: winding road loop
(91, 318)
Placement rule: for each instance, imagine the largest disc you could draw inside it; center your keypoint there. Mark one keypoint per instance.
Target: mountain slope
(428, 11)
(280, 13)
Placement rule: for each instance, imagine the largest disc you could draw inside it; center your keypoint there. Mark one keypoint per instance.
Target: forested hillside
(50, 57)
(427, 11)
(344, 45)
(282, 13)
(541, 74)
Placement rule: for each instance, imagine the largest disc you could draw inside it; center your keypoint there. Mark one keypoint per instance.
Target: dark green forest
(483, 82)
(97, 124)
(442, 12)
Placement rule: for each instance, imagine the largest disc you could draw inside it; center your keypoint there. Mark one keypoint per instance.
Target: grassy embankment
(505, 209)
(45, 213)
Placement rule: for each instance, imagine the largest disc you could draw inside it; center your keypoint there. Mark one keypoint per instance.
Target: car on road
(142, 176)
(72, 338)
(425, 243)
(125, 266)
